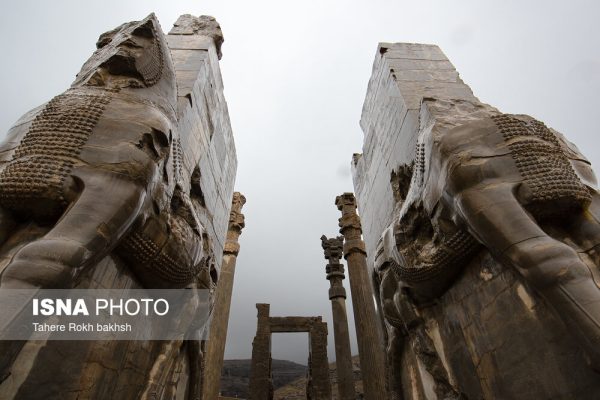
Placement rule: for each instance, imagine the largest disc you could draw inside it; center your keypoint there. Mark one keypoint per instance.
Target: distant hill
(289, 379)
(235, 377)
(296, 390)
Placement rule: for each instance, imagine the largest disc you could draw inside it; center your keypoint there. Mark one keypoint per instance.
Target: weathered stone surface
(482, 229)
(152, 174)
(261, 384)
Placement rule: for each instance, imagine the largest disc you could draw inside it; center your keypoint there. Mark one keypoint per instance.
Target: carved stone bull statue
(506, 182)
(100, 168)
(101, 164)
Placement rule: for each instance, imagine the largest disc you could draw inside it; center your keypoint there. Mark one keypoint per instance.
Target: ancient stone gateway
(261, 386)
(483, 230)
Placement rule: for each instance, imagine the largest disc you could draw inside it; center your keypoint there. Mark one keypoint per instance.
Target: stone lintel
(293, 324)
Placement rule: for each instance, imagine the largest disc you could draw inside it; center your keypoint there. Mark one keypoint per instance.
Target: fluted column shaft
(215, 352)
(337, 294)
(370, 348)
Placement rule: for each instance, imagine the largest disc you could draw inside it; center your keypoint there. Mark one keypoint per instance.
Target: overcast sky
(295, 75)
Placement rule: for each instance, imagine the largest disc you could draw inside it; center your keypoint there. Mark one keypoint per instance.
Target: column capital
(332, 248)
(236, 218)
(346, 203)
(236, 224)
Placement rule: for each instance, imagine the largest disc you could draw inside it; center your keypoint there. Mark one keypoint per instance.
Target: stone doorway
(318, 383)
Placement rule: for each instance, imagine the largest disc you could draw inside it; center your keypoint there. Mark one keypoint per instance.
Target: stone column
(320, 385)
(370, 348)
(220, 315)
(261, 386)
(337, 294)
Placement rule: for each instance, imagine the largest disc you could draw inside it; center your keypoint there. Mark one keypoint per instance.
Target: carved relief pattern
(47, 153)
(143, 250)
(177, 159)
(152, 63)
(450, 253)
(419, 169)
(543, 164)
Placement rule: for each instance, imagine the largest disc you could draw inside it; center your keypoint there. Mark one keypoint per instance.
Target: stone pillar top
(263, 326)
(236, 224)
(236, 218)
(332, 247)
(203, 25)
(349, 224)
(345, 199)
(263, 309)
(346, 203)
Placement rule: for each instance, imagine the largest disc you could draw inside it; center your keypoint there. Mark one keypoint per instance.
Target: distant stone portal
(483, 230)
(261, 386)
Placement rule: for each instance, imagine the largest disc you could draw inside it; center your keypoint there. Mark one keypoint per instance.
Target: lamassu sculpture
(509, 183)
(482, 228)
(101, 164)
(125, 180)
